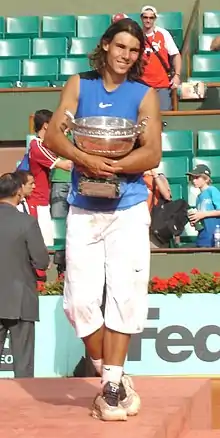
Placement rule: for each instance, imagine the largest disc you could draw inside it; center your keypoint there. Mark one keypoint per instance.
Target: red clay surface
(202, 434)
(46, 408)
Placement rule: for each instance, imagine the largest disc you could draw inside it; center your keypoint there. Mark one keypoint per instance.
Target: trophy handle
(71, 118)
(141, 126)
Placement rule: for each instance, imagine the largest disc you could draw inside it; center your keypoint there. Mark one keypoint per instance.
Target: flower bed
(180, 283)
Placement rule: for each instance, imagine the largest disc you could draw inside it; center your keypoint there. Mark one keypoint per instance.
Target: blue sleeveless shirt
(124, 102)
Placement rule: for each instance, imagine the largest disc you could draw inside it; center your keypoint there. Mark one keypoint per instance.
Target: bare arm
(162, 185)
(177, 62)
(64, 165)
(55, 138)
(57, 142)
(148, 156)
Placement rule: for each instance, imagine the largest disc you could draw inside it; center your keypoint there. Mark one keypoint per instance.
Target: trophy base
(100, 187)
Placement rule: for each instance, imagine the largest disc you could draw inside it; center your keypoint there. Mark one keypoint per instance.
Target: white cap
(147, 7)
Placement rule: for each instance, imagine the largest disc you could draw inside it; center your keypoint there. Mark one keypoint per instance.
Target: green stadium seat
(177, 191)
(81, 46)
(205, 42)
(58, 25)
(21, 27)
(177, 143)
(217, 185)
(58, 84)
(6, 85)
(206, 65)
(188, 237)
(92, 25)
(173, 22)
(59, 229)
(49, 47)
(170, 20)
(136, 17)
(175, 168)
(15, 48)
(72, 66)
(213, 162)
(10, 70)
(37, 84)
(205, 79)
(2, 27)
(40, 70)
(208, 142)
(211, 22)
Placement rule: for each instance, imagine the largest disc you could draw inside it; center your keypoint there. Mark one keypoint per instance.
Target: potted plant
(181, 283)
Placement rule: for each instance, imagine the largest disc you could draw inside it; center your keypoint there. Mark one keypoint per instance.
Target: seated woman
(158, 187)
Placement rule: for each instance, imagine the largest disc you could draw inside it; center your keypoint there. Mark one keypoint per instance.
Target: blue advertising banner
(181, 337)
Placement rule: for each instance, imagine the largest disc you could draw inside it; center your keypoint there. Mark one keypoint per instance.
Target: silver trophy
(111, 137)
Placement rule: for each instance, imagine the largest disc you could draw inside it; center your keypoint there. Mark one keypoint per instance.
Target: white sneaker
(129, 399)
(106, 406)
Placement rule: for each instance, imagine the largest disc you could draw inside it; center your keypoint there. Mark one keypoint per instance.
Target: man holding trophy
(116, 126)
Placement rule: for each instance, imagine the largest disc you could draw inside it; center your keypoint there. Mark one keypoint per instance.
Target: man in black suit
(22, 251)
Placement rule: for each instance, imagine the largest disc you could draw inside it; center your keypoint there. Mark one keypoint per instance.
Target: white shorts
(45, 224)
(111, 246)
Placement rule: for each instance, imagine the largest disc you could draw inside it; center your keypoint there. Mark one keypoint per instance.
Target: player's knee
(81, 309)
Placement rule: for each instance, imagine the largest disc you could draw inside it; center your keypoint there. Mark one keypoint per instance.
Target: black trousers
(22, 334)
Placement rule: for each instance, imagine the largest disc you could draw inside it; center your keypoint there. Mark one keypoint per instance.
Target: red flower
(159, 285)
(155, 279)
(195, 271)
(216, 274)
(173, 282)
(182, 277)
(40, 286)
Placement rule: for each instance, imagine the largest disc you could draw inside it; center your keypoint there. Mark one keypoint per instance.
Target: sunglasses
(148, 18)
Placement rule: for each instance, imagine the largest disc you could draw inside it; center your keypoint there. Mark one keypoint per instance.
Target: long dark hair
(98, 56)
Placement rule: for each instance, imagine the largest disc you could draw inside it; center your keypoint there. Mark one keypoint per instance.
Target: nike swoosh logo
(104, 105)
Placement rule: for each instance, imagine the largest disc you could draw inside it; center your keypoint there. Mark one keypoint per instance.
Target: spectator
(159, 49)
(42, 160)
(207, 204)
(28, 185)
(22, 251)
(158, 189)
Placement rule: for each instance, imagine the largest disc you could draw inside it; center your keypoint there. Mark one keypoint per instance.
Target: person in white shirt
(28, 185)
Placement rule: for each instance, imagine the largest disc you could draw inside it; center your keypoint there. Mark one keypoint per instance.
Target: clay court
(171, 408)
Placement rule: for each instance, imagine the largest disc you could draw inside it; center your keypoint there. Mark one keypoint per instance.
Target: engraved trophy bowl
(111, 137)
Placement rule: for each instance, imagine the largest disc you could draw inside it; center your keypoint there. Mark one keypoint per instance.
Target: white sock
(98, 365)
(111, 373)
